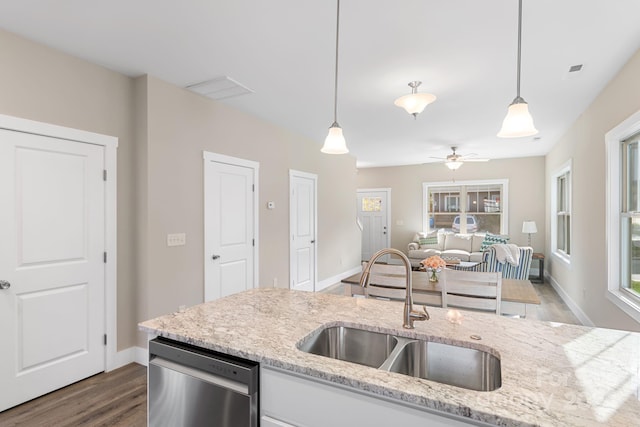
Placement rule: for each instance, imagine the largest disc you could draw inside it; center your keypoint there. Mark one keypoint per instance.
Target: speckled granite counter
(552, 374)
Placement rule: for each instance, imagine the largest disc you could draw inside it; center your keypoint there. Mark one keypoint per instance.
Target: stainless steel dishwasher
(193, 387)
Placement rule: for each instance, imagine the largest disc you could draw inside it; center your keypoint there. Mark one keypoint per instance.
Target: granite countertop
(552, 374)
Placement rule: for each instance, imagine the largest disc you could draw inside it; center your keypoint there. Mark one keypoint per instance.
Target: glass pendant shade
(518, 122)
(415, 103)
(453, 165)
(335, 143)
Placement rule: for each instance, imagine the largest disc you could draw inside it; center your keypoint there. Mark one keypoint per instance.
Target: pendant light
(518, 122)
(335, 143)
(415, 102)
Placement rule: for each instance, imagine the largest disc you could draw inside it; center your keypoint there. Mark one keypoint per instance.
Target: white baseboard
(323, 284)
(575, 308)
(129, 355)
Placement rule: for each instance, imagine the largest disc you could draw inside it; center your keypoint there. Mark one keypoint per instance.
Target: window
(561, 211)
(466, 207)
(371, 204)
(623, 215)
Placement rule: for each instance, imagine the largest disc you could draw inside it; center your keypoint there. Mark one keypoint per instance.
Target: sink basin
(352, 345)
(449, 364)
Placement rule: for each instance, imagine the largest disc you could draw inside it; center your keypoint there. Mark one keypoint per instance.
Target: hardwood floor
(117, 399)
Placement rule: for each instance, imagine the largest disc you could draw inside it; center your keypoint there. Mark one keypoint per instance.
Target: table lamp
(530, 228)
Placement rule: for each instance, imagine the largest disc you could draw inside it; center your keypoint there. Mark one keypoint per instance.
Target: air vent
(573, 71)
(220, 88)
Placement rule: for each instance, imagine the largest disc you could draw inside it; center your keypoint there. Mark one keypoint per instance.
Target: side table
(540, 277)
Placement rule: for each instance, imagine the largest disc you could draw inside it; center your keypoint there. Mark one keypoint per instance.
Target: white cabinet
(288, 399)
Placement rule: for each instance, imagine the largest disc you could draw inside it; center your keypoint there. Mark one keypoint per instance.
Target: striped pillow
(493, 239)
(431, 240)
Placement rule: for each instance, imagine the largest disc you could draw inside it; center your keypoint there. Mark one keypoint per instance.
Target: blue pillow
(493, 239)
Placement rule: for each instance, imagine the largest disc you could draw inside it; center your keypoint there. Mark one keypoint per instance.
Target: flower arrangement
(434, 263)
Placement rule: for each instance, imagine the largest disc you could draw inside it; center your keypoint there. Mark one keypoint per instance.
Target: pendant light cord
(335, 90)
(519, 45)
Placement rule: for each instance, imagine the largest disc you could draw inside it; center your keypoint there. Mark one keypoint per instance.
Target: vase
(433, 277)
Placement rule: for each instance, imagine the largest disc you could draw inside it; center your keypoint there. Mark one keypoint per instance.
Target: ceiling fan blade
(475, 160)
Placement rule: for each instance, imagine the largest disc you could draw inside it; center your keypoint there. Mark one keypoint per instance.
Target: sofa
(465, 247)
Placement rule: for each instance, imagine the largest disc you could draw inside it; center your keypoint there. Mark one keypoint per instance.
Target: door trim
(299, 174)
(110, 144)
(209, 156)
(388, 208)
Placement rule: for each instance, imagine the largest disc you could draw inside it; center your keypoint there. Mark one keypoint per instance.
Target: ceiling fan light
(415, 103)
(453, 164)
(335, 143)
(518, 122)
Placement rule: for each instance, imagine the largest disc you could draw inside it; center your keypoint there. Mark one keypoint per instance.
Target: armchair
(490, 262)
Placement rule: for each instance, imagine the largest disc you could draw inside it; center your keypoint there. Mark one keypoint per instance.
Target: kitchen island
(551, 374)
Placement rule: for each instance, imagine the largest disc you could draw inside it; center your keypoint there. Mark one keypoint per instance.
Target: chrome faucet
(410, 315)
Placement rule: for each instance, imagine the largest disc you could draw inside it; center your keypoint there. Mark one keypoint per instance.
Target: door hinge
(105, 339)
(105, 257)
(253, 242)
(253, 188)
(104, 174)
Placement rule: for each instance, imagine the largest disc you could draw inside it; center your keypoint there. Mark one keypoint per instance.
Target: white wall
(526, 193)
(584, 281)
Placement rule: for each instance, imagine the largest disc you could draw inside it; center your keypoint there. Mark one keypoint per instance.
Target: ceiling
(463, 51)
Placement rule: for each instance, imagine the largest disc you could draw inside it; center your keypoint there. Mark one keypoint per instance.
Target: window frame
(504, 212)
(616, 291)
(564, 172)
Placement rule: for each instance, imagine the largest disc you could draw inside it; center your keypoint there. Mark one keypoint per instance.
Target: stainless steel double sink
(455, 365)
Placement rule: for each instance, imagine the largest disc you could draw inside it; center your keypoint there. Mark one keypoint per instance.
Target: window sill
(626, 303)
(562, 257)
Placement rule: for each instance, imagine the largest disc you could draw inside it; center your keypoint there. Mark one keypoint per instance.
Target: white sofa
(465, 247)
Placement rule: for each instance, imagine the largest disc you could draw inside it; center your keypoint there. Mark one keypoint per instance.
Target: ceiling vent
(573, 71)
(220, 88)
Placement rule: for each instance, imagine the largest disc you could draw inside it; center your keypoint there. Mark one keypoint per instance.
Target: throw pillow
(493, 239)
(431, 240)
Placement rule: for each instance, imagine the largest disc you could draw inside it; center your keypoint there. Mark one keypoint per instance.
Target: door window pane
(371, 204)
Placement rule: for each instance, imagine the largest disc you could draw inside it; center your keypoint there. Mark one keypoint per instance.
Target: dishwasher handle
(201, 375)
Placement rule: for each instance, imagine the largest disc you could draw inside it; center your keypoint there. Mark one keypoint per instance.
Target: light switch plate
(178, 239)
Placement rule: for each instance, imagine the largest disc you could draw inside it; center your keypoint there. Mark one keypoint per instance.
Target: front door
(229, 228)
(373, 214)
(302, 219)
(52, 294)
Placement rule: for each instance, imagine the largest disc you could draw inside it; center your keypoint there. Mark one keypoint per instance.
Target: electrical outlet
(275, 282)
(178, 239)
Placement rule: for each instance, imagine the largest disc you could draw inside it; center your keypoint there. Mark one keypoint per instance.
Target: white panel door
(229, 229)
(52, 242)
(373, 212)
(303, 230)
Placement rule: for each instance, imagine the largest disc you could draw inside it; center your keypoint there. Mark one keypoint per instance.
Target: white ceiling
(464, 52)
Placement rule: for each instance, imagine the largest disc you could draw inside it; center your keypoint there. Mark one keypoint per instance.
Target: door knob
(4, 284)
(215, 257)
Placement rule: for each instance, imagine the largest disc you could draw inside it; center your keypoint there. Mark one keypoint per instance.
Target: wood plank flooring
(119, 398)
(114, 399)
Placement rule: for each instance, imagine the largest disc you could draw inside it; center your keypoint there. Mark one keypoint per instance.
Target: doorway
(230, 225)
(374, 211)
(303, 230)
(57, 295)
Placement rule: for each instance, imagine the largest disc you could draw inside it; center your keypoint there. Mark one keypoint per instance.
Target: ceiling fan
(454, 160)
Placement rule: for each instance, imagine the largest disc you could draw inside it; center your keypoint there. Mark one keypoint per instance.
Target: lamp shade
(518, 122)
(453, 164)
(335, 143)
(415, 103)
(529, 227)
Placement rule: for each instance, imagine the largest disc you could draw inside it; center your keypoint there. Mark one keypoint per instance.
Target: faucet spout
(409, 314)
